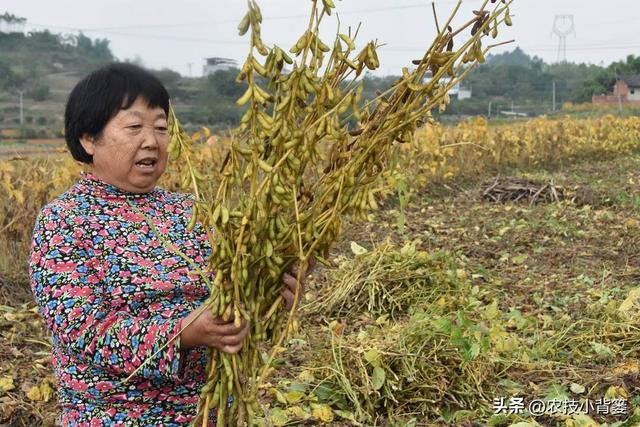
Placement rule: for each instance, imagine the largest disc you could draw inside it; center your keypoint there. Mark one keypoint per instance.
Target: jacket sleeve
(68, 285)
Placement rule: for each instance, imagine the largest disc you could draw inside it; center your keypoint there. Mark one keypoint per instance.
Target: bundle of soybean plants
(385, 282)
(309, 151)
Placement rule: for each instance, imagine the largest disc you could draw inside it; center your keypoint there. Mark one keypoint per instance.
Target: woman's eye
(161, 128)
(134, 127)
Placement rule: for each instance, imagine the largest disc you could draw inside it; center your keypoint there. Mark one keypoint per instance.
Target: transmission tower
(563, 26)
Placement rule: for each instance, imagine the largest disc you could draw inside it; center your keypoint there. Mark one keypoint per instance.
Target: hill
(45, 66)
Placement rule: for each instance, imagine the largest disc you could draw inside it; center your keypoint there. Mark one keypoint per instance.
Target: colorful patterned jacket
(114, 295)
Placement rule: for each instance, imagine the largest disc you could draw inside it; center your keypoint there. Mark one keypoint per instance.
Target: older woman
(113, 296)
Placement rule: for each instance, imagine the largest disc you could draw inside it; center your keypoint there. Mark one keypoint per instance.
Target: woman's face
(131, 152)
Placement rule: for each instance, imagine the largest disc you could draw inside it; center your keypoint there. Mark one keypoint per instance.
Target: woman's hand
(289, 279)
(208, 330)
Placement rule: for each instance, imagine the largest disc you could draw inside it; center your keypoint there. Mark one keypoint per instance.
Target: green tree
(603, 81)
(223, 83)
(514, 57)
(40, 92)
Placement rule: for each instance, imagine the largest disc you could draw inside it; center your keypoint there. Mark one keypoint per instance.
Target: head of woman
(116, 121)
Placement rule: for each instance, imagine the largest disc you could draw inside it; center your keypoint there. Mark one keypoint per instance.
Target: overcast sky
(174, 34)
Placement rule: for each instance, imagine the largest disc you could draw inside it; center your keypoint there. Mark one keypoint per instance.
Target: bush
(27, 132)
(39, 93)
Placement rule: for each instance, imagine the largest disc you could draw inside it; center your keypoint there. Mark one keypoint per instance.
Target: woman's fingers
(223, 329)
(289, 280)
(232, 349)
(225, 334)
(288, 298)
(233, 343)
(311, 265)
(237, 337)
(288, 292)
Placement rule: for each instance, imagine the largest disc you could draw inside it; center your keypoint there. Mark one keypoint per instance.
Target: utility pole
(21, 108)
(189, 65)
(553, 109)
(620, 104)
(489, 115)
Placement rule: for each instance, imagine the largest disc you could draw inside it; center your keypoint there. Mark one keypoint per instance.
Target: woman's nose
(150, 139)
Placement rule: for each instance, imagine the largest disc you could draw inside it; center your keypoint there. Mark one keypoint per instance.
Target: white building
(462, 92)
(216, 64)
(457, 91)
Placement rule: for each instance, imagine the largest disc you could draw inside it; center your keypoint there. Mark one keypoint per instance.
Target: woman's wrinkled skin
(136, 134)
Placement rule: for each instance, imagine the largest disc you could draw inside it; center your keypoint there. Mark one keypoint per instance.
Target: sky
(179, 35)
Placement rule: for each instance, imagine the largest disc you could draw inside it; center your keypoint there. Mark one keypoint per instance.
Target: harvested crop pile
(386, 281)
(510, 189)
(417, 338)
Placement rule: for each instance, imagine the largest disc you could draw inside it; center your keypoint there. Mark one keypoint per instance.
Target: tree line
(508, 77)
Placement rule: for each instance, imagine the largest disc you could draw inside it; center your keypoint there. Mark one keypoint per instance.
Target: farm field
(31, 147)
(472, 303)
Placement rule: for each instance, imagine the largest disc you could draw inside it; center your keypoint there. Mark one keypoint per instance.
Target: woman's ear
(88, 143)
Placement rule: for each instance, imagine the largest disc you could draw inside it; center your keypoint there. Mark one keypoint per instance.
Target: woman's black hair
(100, 95)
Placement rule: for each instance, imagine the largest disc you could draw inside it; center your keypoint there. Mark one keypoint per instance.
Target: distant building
(463, 92)
(628, 87)
(215, 64)
(625, 91)
(457, 91)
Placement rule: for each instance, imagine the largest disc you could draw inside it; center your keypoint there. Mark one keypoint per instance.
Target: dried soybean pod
(221, 307)
(194, 217)
(268, 248)
(174, 148)
(477, 51)
(507, 18)
(372, 201)
(348, 40)
(264, 166)
(237, 320)
(225, 215)
(246, 96)
(215, 396)
(226, 315)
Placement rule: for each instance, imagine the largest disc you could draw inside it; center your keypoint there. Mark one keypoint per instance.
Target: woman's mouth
(146, 165)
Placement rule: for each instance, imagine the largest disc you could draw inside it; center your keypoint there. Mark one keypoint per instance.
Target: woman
(113, 296)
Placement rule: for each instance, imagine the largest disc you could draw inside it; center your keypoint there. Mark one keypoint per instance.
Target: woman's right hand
(208, 330)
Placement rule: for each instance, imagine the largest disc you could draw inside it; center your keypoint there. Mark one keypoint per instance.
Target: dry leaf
(6, 384)
(322, 413)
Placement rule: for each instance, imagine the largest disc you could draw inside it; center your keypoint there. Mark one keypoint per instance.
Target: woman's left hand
(289, 279)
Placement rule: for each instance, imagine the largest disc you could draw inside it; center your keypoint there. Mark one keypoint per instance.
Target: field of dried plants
(501, 263)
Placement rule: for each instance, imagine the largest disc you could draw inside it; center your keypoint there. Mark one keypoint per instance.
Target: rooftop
(631, 80)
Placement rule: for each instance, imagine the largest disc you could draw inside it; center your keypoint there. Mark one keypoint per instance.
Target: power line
(385, 48)
(272, 18)
(526, 48)
(281, 17)
(267, 18)
(235, 21)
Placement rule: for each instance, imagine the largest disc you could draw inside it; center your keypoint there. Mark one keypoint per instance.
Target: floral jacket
(113, 295)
